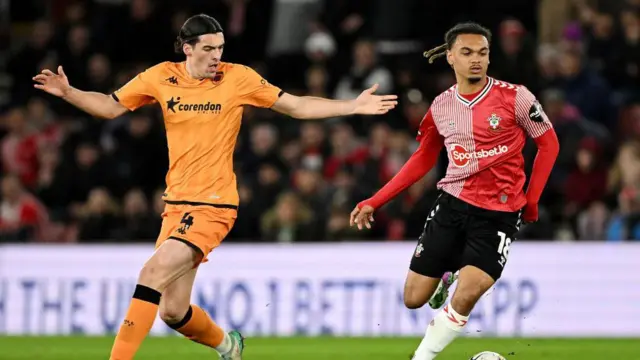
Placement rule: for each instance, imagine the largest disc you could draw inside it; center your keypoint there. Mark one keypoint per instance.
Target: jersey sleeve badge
(535, 112)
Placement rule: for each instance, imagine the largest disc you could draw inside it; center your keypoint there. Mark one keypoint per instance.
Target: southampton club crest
(419, 250)
(494, 123)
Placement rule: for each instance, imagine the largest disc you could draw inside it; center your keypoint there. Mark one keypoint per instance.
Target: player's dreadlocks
(194, 27)
(451, 36)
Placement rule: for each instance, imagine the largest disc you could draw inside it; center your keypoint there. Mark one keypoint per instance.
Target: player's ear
(187, 49)
(450, 57)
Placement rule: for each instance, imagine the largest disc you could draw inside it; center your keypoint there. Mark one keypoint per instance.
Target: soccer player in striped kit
(482, 123)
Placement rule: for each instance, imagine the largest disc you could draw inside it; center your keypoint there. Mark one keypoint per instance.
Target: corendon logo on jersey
(460, 156)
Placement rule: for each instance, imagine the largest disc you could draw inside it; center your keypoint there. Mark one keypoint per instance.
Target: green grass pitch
(172, 348)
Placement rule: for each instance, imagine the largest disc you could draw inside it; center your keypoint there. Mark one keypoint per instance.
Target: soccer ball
(487, 355)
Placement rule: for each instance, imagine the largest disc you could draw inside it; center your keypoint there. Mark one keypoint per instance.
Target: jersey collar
(480, 95)
(186, 78)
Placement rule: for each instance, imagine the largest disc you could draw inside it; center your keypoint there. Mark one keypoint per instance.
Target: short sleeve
(529, 113)
(136, 93)
(254, 90)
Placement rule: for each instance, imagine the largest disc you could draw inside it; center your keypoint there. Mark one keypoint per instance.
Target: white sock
(226, 345)
(443, 329)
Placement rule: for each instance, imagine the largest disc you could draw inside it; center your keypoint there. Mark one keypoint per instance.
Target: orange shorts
(202, 227)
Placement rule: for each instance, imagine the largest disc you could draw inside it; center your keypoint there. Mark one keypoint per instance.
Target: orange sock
(199, 327)
(137, 323)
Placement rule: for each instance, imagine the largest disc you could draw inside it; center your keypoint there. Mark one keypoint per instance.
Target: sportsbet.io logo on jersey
(174, 105)
(460, 156)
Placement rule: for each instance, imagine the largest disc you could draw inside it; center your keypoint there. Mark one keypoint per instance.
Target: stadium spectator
(625, 224)
(587, 183)
(346, 149)
(584, 88)
(290, 220)
(22, 217)
(139, 222)
(27, 60)
(90, 170)
(98, 218)
(99, 75)
(313, 191)
(365, 72)
(54, 183)
(514, 59)
(20, 148)
(601, 46)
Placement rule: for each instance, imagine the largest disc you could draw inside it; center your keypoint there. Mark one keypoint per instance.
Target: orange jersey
(202, 120)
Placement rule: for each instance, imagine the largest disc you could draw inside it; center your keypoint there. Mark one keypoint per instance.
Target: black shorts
(457, 234)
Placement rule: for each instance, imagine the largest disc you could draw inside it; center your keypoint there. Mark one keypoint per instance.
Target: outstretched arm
(308, 107)
(418, 165)
(94, 103)
(256, 91)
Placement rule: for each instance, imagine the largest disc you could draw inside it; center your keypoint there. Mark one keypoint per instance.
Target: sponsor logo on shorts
(460, 156)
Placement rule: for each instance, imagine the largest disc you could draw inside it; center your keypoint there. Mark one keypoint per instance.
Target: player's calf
(192, 321)
(449, 322)
(170, 261)
(472, 284)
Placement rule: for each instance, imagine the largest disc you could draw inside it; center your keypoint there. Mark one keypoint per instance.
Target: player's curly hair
(194, 27)
(451, 36)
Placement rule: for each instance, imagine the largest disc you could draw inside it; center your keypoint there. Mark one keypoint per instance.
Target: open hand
(362, 216)
(54, 84)
(369, 104)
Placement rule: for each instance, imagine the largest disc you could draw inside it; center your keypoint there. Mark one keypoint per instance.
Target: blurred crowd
(68, 177)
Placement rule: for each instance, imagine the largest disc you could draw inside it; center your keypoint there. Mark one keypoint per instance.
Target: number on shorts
(503, 247)
(187, 222)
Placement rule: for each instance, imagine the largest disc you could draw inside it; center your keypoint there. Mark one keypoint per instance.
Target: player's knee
(418, 289)
(172, 314)
(413, 302)
(413, 298)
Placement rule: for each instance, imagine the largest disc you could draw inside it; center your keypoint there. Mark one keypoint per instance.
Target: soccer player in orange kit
(202, 100)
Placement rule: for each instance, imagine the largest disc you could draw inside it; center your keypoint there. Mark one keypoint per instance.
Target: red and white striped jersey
(484, 138)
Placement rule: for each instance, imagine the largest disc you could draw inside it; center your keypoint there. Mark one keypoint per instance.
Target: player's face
(470, 56)
(207, 54)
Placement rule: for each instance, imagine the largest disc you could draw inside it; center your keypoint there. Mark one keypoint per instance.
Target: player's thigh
(488, 241)
(176, 298)
(171, 217)
(438, 250)
(202, 228)
(170, 261)
(441, 243)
